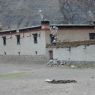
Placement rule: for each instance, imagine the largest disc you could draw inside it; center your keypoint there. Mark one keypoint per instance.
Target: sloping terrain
(25, 13)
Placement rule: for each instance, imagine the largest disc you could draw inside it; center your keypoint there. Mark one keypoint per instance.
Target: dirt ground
(29, 79)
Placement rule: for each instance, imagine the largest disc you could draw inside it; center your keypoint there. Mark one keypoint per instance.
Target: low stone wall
(22, 59)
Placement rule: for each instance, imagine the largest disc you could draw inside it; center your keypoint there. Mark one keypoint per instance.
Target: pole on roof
(41, 15)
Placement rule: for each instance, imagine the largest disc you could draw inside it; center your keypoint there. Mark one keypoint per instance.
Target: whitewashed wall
(27, 46)
(76, 54)
(74, 34)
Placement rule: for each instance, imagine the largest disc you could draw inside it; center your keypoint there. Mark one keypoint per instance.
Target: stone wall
(15, 59)
(81, 53)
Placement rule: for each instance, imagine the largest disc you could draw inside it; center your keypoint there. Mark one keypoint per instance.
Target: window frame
(4, 40)
(18, 39)
(92, 36)
(35, 38)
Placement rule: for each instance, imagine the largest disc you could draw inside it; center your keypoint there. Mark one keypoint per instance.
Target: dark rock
(62, 81)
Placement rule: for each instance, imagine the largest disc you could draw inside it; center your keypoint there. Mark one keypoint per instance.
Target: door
(50, 54)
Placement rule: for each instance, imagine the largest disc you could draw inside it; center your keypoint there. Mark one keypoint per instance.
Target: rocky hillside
(25, 13)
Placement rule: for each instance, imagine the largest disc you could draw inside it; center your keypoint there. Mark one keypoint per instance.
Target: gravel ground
(29, 79)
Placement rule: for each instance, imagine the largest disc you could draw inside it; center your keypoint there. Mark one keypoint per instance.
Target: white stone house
(28, 41)
(73, 42)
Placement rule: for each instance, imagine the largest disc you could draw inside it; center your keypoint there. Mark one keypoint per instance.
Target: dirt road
(29, 79)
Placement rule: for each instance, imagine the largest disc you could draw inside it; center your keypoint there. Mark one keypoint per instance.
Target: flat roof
(38, 27)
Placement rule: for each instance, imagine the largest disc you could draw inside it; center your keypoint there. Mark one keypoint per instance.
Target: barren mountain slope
(25, 13)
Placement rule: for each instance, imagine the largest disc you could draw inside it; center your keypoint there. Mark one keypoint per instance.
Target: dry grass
(71, 44)
(14, 75)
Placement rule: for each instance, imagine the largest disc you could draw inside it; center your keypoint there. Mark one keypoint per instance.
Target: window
(18, 53)
(4, 40)
(5, 53)
(53, 39)
(18, 39)
(36, 52)
(35, 38)
(92, 36)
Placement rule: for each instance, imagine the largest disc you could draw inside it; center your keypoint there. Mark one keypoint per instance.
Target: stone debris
(56, 62)
(72, 66)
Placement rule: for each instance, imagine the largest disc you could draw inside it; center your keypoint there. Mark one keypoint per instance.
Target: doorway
(50, 54)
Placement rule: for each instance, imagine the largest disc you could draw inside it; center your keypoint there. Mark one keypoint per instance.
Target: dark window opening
(5, 53)
(18, 39)
(36, 52)
(18, 53)
(52, 38)
(69, 49)
(4, 40)
(92, 36)
(35, 38)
